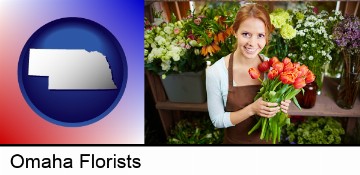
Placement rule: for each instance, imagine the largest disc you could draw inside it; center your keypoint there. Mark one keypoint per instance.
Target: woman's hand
(285, 105)
(266, 109)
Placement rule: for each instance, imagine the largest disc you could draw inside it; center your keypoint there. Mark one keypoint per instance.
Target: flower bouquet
(211, 28)
(283, 33)
(164, 45)
(313, 43)
(283, 82)
(347, 37)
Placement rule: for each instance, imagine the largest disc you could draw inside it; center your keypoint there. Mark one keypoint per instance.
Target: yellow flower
(287, 31)
(279, 17)
(299, 16)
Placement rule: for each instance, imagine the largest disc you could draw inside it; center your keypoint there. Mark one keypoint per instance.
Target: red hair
(255, 11)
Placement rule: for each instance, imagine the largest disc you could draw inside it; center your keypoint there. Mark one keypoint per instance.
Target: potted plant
(313, 43)
(305, 36)
(315, 130)
(195, 131)
(178, 52)
(347, 37)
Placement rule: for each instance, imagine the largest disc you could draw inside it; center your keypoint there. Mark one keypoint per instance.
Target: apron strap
(230, 72)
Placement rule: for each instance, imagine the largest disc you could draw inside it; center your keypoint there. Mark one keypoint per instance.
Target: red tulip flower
(285, 80)
(279, 66)
(254, 73)
(310, 77)
(299, 83)
(288, 67)
(287, 77)
(303, 69)
(272, 74)
(297, 72)
(273, 60)
(296, 65)
(264, 66)
(286, 60)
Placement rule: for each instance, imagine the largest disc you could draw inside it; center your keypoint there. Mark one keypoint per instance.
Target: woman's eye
(261, 36)
(246, 35)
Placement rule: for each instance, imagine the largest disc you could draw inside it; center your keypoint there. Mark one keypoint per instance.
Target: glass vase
(308, 99)
(319, 72)
(349, 81)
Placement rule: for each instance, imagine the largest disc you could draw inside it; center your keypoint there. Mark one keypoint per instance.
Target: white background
(180, 160)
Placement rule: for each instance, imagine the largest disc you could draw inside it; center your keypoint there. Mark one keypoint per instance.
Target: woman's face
(251, 37)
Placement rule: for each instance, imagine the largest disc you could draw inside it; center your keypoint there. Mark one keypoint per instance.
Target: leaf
(263, 130)
(274, 131)
(292, 94)
(296, 102)
(256, 126)
(282, 90)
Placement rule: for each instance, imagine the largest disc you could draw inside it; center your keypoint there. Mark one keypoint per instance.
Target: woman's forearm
(241, 115)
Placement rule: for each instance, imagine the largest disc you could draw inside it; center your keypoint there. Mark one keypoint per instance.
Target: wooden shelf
(182, 106)
(325, 104)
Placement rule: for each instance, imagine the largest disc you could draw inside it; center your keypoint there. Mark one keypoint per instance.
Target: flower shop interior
(183, 38)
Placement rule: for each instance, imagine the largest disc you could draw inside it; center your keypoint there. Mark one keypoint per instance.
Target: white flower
(311, 57)
(208, 135)
(150, 58)
(153, 45)
(157, 21)
(160, 40)
(196, 51)
(337, 12)
(323, 53)
(146, 45)
(193, 43)
(168, 30)
(329, 57)
(165, 65)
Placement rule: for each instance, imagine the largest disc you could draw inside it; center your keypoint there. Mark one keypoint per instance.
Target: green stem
(257, 125)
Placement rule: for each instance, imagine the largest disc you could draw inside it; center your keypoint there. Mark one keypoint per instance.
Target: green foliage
(185, 45)
(196, 131)
(315, 130)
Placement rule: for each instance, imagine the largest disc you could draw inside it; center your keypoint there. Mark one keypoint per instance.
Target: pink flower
(176, 31)
(191, 36)
(197, 21)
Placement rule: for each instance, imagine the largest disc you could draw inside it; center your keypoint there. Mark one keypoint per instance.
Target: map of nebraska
(71, 69)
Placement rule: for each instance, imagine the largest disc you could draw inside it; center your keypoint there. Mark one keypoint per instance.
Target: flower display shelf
(325, 105)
